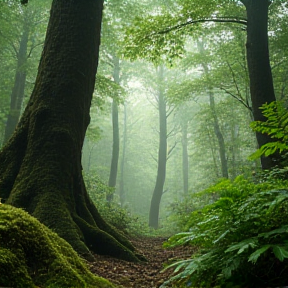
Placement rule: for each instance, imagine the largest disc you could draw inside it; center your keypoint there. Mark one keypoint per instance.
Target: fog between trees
(206, 92)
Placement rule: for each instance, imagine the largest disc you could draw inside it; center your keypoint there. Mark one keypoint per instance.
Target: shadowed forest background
(187, 136)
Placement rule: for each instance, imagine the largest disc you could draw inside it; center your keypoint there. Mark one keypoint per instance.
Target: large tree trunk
(261, 81)
(17, 94)
(40, 166)
(116, 141)
(162, 157)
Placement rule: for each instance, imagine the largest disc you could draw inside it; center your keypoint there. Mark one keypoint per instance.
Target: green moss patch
(32, 255)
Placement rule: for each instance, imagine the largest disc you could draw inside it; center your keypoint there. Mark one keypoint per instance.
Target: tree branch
(241, 21)
(155, 159)
(170, 111)
(234, 80)
(33, 47)
(237, 98)
(171, 150)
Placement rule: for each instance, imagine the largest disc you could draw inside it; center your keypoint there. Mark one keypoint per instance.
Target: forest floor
(140, 275)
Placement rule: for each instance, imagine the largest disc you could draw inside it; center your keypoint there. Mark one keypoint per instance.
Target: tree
(123, 158)
(22, 44)
(185, 159)
(162, 153)
(116, 140)
(165, 39)
(40, 166)
(260, 75)
(116, 13)
(217, 130)
(17, 94)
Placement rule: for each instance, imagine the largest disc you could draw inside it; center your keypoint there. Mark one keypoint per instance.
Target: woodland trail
(140, 275)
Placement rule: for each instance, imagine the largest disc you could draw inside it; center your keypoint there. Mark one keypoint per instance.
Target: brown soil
(140, 275)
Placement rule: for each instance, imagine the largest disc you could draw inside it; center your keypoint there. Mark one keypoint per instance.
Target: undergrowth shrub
(181, 212)
(241, 231)
(112, 212)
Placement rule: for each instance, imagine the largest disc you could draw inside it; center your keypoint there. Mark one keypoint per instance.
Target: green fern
(241, 239)
(276, 126)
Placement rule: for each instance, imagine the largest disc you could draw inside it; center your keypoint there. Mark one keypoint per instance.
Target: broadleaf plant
(241, 237)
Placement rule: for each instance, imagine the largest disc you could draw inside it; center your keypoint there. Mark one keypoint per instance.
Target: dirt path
(140, 275)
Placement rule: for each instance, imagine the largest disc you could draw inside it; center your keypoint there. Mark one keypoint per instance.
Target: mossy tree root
(103, 243)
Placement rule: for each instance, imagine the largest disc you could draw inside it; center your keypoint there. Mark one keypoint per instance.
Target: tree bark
(217, 130)
(261, 81)
(162, 157)
(220, 138)
(123, 158)
(40, 166)
(17, 95)
(116, 140)
(185, 160)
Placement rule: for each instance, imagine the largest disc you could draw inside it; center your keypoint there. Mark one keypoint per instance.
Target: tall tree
(217, 130)
(115, 125)
(260, 75)
(22, 32)
(123, 157)
(185, 159)
(162, 153)
(40, 166)
(165, 39)
(17, 94)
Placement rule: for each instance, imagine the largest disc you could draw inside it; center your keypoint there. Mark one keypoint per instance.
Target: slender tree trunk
(162, 157)
(123, 158)
(213, 152)
(17, 95)
(220, 138)
(40, 166)
(217, 130)
(234, 149)
(116, 141)
(261, 81)
(185, 160)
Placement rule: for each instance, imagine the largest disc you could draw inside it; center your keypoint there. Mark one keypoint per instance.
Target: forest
(143, 143)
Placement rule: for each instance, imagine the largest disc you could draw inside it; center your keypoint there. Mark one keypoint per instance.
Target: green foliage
(105, 87)
(112, 212)
(162, 33)
(241, 236)
(187, 211)
(276, 126)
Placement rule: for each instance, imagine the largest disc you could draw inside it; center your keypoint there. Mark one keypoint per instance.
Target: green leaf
(283, 229)
(255, 255)
(280, 252)
(243, 245)
(221, 236)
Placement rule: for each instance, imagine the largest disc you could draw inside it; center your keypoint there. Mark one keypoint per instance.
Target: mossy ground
(32, 255)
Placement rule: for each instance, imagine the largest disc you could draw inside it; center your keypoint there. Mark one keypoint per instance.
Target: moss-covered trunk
(40, 166)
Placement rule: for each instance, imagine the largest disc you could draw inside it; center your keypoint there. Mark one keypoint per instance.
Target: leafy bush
(242, 237)
(112, 212)
(239, 188)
